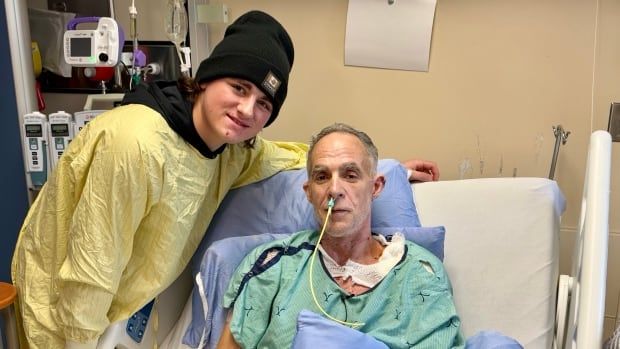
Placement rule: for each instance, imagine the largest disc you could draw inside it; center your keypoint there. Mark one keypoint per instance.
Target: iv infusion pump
(60, 134)
(35, 146)
(47, 138)
(100, 47)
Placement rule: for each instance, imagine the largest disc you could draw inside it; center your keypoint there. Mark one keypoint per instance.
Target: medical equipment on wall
(35, 146)
(100, 47)
(60, 133)
(103, 102)
(117, 67)
(82, 118)
(176, 30)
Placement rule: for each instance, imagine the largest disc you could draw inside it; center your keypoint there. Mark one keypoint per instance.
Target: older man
(388, 288)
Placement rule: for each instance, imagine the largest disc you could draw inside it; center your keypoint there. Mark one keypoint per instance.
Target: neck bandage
(368, 275)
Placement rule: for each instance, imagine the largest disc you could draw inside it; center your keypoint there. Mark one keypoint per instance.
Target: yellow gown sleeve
(112, 203)
(270, 157)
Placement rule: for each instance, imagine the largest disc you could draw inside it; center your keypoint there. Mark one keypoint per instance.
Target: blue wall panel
(13, 190)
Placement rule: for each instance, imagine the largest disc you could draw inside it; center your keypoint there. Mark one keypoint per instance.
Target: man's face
(340, 169)
(230, 111)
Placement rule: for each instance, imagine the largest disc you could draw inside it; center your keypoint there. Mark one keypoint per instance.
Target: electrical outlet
(614, 122)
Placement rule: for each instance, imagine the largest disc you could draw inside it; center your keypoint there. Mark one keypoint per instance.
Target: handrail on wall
(560, 136)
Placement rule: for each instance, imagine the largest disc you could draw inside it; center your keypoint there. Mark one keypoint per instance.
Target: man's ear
(307, 190)
(379, 184)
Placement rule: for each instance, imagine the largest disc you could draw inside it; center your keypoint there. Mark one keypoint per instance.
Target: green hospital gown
(271, 287)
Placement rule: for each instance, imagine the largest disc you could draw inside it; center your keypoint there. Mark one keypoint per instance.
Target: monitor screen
(34, 130)
(80, 47)
(60, 130)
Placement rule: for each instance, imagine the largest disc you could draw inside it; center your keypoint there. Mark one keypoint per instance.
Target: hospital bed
(501, 252)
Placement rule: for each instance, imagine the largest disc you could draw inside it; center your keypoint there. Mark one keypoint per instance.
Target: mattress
(501, 251)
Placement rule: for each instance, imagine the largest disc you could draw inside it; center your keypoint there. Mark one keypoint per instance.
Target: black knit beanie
(257, 48)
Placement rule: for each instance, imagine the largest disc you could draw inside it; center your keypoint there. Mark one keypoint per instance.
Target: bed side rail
(589, 272)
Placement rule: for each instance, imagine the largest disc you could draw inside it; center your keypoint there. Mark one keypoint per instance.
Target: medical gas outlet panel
(61, 130)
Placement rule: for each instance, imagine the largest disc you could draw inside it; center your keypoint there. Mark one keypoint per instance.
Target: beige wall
(150, 18)
(502, 73)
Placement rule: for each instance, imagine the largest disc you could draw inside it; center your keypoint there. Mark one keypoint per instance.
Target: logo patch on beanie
(271, 84)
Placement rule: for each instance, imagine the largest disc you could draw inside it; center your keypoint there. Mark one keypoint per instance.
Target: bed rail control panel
(137, 332)
(136, 325)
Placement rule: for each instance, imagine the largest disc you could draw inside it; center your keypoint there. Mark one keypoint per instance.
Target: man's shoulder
(417, 251)
(419, 255)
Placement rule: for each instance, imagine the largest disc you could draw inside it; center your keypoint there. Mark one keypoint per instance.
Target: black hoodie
(165, 98)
